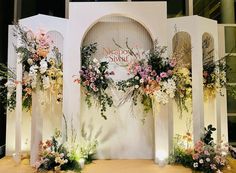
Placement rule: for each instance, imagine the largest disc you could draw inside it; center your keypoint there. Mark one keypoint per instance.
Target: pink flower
(149, 68)
(206, 153)
(217, 158)
(37, 164)
(195, 156)
(205, 74)
(169, 72)
(163, 75)
(158, 79)
(86, 83)
(213, 166)
(153, 73)
(173, 63)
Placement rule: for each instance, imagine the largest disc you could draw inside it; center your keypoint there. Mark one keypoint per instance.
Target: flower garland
(95, 79)
(42, 67)
(157, 76)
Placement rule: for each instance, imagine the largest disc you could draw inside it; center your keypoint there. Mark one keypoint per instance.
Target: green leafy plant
(207, 137)
(95, 79)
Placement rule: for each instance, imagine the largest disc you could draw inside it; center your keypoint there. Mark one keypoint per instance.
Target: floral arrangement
(42, 67)
(55, 156)
(214, 77)
(95, 78)
(7, 87)
(204, 156)
(155, 75)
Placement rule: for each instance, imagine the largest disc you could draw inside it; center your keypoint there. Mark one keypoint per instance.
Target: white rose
(201, 161)
(30, 61)
(95, 60)
(195, 165)
(46, 82)
(43, 66)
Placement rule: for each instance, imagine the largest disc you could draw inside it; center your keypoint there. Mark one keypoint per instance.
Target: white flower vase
(81, 163)
(36, 125)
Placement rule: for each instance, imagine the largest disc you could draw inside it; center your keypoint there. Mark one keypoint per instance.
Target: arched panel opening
(181, 45)
(207, 48)
(118, 139)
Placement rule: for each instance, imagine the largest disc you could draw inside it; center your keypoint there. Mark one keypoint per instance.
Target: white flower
(33, 70)
(62, 155)
(201, 161)
(34, 81)
(195, 165)
(57, 159)
(161, 96)
(43, 66)
(30, 61)
(95, 60)
(46, 82)
(136, 77)
(127, 83)
(136, 86)
(10, 85)
(208, 159)
(141, 81)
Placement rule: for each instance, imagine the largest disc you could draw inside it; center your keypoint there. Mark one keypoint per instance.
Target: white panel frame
(80, 21)
(34, 23)
(196, 26)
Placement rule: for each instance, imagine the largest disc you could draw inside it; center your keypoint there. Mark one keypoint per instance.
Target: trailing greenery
(94, 78)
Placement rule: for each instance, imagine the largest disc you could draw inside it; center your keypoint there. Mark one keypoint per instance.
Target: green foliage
(207, 137)
(180, 156)
(147, 102)
(94, 77)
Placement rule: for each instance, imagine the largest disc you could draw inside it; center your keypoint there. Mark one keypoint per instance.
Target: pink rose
(195, 156)
(169, 72)
(172, 62)
(206, 153)
(163, 74)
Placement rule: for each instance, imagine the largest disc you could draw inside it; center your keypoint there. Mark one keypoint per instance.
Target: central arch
(119, 139)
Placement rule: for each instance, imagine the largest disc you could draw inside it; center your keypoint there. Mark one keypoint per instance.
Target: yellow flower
(59, 81)
(184, 71)
(52, 61)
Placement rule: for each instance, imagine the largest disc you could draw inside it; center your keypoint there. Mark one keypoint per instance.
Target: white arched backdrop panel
(152, 16)
(41, 125)
(202, 113)
(123, 135)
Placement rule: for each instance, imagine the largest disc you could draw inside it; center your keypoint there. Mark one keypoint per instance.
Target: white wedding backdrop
(122, 135)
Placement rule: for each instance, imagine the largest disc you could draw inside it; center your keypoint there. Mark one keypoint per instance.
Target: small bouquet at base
(204, 156)
(55, 156)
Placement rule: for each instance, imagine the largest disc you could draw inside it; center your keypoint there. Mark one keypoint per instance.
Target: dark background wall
(6, 18)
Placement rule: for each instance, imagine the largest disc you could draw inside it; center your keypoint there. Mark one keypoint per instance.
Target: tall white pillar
(163, 125)
(197, 90)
